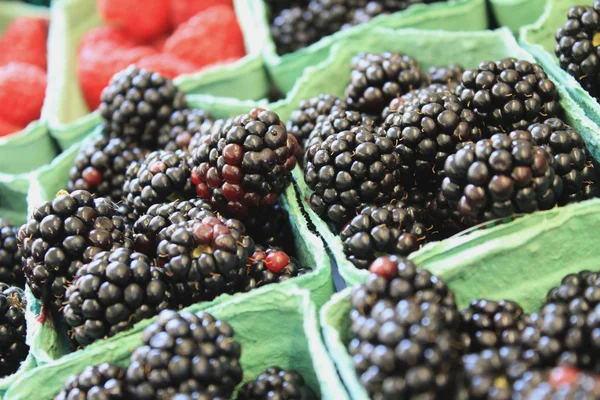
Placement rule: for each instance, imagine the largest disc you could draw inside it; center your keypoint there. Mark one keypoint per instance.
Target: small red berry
(202, 191)
(203, 233)
(563, 376)
(212, 178)
(232, 192)
(277, 261)
(233, 154)
(220, 230)
(232, 174)
(195, 177)
(384, 267)
(92, 176)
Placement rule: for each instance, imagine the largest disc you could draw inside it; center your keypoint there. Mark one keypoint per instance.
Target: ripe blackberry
(310, 112)
(417, 98)
(557, 383)
(276, 383)
(568, 149)
(62, 235)
(388, 229)
(349, 169)
(11, 272)
(509, 94)
(497, 178)
(183, 126)
(100, 167)
(332, 15)
(293, 29)
(103, 381)
(276, 6)
(162, 176)
(488, 324)
(206, 258)
(576, 45)
(445, 75)
(378, 78)
(113, 292)
(247, 164)
(13, 349)
(272, 266)
(137, 103)
(425, 135)
(271, 228)
(185, 353)
(148, 227)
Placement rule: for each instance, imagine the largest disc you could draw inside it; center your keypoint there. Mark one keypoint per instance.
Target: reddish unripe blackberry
(247, 164)
(183, 126)
(113, 292)
(185, 353)
(11, 272)
(271, 266)
(100, 167)
(276, 383)
(103, 381)
(13, 349)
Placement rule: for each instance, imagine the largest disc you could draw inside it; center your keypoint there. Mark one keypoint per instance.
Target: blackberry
(376, 79)
(557, 383)
(162, 176)
(13, 348)
(206, 258)
(488, 324)
(497, 178)
(276, 6)
(576, 45)
(332, 15)
(509, 94)
(277, 383)
(103, 381)
(366, 13)
(294, 29)
(387, 229)
(137, 103)
(272, 266)
(425, 135)
(404, 324)
(247, 164)
(445, 75)
(183, 126)
(349, 169)
(271, 228)
(591, 177)
(310, 112)
(148, 227)
(11, 272)
(568, 149)
(113, 292)
(62, 235)
(417, 98)
(185, 353)
(100, 167)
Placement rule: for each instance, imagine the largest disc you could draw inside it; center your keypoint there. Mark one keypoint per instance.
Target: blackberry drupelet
(277, 383)
(148, 227)
(162, 176)
(576, 45)
(272, 266)
(247, 164)
(488, 324)
(186, 353)
(113, 292)
(62, 235)
(204, 259)
(100, 167)
(557, 383)
(11, 272)
(13, 349)
(271, 228)
(445, 75)
(183, 126)
(349, 169)
(293, 29)
(376, 79)
(103, 381)
(137, 103)
(388, 229)
(417, 98)
(509, 94)
(591, 177)
(497, 178)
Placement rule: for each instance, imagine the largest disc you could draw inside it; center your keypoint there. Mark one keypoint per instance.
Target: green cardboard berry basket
(516, 13)
(519, 261)
(429, 48)
(66, 109)
(276, 327)
(453, 15)
(538, 39)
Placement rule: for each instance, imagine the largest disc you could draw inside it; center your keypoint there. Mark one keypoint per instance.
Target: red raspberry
(209, 37)
(22, 89)
(7, 128)
(167, 65)
(182, 10)
(144, 20)
(25, 41)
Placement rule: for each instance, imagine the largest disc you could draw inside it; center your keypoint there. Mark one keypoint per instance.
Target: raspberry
(182, 10)
(6, 128)
(22, 89)
(152, 22)
(24, 40)
(167, 65)
(219, 23)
